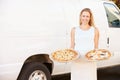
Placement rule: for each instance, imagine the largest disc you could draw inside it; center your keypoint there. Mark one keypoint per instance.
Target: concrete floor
(108, 73)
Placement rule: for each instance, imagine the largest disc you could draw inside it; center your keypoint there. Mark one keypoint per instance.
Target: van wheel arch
(37, 60)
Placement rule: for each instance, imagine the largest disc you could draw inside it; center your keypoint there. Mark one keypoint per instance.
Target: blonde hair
(91, 22)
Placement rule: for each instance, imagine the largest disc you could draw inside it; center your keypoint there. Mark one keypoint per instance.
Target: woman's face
(85, 17)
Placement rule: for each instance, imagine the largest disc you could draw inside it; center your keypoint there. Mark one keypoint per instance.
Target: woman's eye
(87, 16)
(83, 15)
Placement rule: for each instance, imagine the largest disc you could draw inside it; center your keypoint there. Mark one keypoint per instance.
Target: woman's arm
(96, 39)
(72, 38)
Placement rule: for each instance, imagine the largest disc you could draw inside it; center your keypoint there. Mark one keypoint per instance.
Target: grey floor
(108, 73)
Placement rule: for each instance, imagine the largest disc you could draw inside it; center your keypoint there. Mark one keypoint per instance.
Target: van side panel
(29, 27)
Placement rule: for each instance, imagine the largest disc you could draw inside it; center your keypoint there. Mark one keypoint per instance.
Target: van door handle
(108, 41)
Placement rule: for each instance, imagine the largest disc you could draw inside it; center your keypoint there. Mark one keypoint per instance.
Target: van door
(113, 15)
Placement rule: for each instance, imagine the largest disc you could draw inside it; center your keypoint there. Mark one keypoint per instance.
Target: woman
(85, 37)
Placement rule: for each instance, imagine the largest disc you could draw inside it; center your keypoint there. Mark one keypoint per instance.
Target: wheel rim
(38, 75)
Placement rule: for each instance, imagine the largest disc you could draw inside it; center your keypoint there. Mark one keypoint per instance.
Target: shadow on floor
(61, 77)
(108, 73)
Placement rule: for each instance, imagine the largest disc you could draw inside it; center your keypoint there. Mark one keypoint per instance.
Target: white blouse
(84, 40)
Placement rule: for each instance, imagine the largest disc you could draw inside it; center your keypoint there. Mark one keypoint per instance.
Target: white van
(32, 29)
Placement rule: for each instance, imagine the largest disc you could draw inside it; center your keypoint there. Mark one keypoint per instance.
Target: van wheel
(35, 71)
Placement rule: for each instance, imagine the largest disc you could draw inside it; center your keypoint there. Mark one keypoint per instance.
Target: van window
(113, 15)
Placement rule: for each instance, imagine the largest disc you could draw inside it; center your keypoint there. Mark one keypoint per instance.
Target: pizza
(64, 55)
(100, 54)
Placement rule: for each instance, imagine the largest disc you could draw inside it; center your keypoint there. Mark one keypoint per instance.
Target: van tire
(35, 71)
